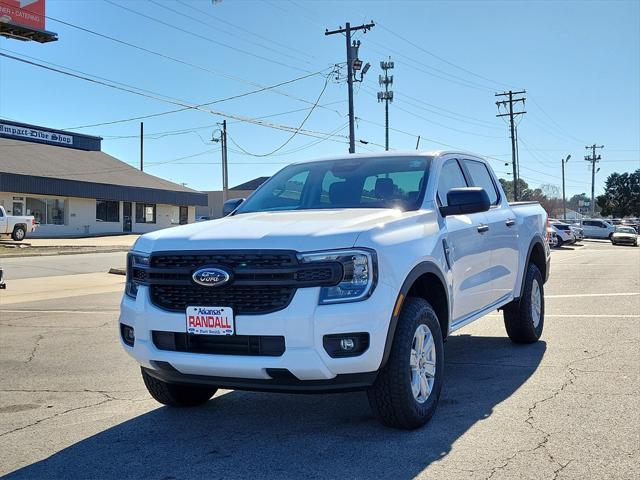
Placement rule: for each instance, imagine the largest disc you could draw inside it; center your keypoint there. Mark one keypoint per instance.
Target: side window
(450, 177)
(480, 177)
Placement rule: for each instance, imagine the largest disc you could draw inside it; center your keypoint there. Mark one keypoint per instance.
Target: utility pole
(141, 146)
(593, 159)
(223, 149)
(225, 169)
(511, 114)
(386, 96)
(564, 196)
(353, 64)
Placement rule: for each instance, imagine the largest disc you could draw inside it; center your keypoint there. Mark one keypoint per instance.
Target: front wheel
(175, 395)
(18, 234)
(524, 318)
(406, 392)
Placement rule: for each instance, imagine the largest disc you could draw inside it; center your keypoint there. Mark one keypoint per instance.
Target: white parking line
(572, 295)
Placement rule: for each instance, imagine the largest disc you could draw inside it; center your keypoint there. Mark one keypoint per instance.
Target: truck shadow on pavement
(242, 434)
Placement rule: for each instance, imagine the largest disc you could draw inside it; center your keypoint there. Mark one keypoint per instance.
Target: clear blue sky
(579, 62)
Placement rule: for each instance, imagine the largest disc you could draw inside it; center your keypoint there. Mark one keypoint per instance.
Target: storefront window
(145, 213)
(175, 215)
(46, 211)
(107, 211)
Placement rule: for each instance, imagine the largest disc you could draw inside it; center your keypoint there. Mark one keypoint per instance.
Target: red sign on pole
(27, 13)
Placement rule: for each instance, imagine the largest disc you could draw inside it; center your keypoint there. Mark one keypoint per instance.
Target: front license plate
(210, 321)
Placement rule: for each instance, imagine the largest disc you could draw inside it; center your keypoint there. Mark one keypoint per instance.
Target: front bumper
(625, 240)
(303, 323)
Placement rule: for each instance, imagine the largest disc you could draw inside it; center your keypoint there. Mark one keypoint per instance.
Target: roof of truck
(393, 153)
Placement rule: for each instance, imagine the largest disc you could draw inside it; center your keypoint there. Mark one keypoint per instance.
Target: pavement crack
(37, 422)
(35, 347)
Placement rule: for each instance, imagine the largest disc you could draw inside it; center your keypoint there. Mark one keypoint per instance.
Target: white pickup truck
(16, 226)
(339, 274)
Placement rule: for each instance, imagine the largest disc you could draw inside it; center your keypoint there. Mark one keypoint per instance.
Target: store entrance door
(126, 217)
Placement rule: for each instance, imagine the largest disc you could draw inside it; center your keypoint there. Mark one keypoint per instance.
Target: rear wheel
(406, 392)
(524, 318)
(18, 234)
(175, 395)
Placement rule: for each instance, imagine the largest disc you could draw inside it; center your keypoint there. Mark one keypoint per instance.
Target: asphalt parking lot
(72, 404)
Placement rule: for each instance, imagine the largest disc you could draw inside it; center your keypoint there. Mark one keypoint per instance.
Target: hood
(304, 230)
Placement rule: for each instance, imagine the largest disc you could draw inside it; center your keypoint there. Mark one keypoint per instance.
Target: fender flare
(536, 240)
(414, 274)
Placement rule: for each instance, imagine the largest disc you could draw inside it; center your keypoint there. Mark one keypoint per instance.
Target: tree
(621, 196)
(523, 188)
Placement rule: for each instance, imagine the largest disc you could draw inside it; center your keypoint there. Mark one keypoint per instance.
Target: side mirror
(466, 200)
(230, 205)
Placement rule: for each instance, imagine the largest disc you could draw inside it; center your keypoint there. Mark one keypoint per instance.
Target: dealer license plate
(210, 321)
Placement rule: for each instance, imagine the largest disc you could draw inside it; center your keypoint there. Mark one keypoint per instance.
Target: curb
(117, 271)
(61, 252)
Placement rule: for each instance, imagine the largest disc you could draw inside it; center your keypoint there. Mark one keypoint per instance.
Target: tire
(391, 397)
(175, 395)
(18, 234)
(560, 243)
(519, 317)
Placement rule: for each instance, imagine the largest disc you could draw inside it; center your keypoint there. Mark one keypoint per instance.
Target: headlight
(359, 274)
(137, 264)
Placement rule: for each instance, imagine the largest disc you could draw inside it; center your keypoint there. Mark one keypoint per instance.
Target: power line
(292, 135)
(370, 92)
(554, 122)
(202, 37)
(444, 60)
(167, 133)
(167, 112)
(412, 63)
(170, 58)
(241, 118)
(249, 32)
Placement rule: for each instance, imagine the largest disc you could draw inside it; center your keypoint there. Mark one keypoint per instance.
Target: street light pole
(564, 196)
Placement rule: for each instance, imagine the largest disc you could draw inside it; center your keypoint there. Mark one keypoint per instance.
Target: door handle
(483, 228)
(510, 222)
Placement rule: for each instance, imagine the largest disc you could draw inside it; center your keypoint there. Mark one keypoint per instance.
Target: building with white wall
(73, 188)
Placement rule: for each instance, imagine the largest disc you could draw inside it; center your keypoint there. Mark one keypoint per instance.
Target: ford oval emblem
(210, 277)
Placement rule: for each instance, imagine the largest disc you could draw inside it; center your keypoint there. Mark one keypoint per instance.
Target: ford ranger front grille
(261, 281)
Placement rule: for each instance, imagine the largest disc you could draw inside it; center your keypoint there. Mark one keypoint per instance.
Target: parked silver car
(624, 235)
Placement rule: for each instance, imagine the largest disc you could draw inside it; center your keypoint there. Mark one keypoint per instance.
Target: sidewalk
(66, 246)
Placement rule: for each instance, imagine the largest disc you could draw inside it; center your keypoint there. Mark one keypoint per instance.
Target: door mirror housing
(230, 205)
(466, 200)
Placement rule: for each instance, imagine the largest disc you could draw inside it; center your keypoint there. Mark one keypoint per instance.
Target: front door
(469, 253)
(184, 215)
(126, 217)
(502, 236)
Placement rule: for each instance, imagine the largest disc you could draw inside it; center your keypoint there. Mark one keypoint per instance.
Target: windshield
(385, 182)
(625, 230)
